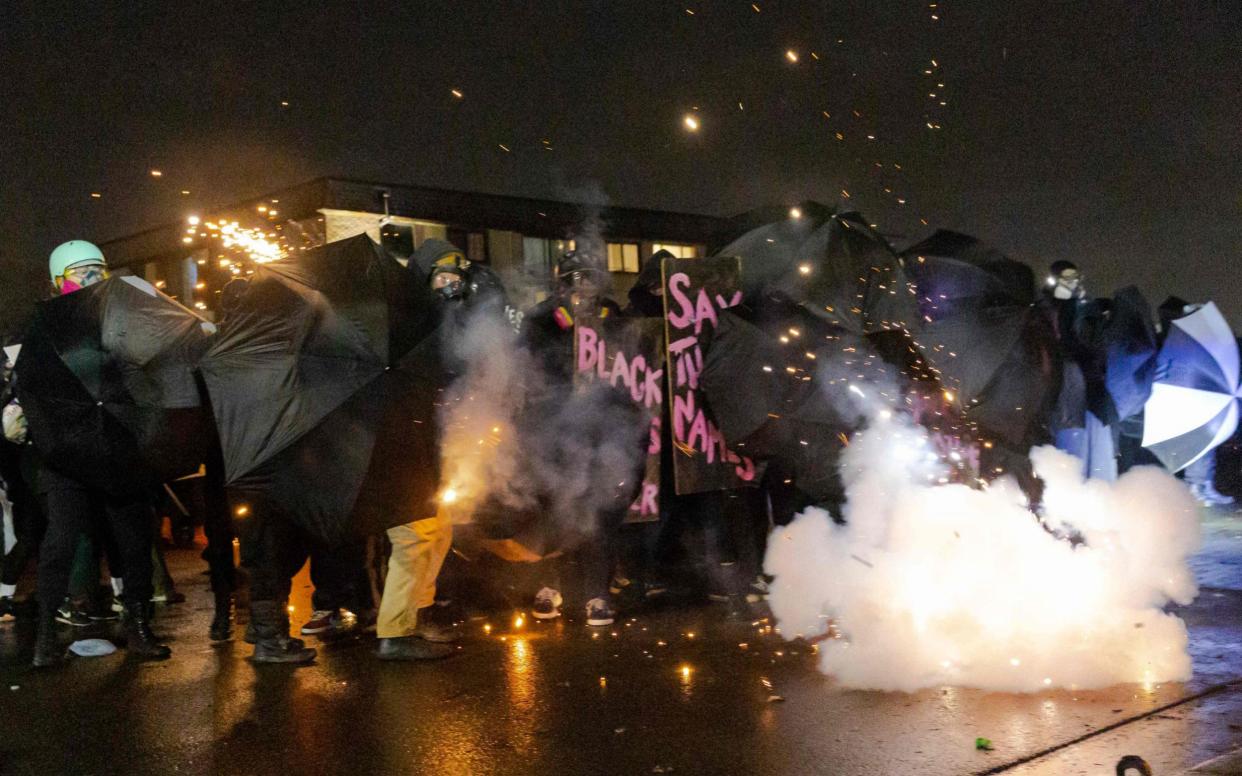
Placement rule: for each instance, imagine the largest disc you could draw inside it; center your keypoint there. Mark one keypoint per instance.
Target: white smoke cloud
(931, 585)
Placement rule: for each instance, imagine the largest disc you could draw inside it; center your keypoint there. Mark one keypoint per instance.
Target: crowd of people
(405, 584)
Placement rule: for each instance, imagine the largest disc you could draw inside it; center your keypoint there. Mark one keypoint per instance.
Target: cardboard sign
(628, 354)
(695, 291)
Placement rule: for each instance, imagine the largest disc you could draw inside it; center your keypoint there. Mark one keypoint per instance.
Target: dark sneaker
(341, 624)
(8, 613)
(282, 650)
(411, 648)
(547, 604)
(320, 621)
(600, 612)
(69, 615)
(173, 597)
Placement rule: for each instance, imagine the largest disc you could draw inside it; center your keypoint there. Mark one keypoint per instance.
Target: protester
(17, 469)
(405, 626)
(1085, 420)
(547, 329)
(74, 507)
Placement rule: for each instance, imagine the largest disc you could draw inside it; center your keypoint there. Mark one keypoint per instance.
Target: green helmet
(71, 254)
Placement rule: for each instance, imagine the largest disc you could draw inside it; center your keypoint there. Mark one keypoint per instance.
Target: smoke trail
(933, 584)
(518, 441)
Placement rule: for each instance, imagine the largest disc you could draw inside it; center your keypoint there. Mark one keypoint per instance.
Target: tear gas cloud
(518, 446)
(930, 585)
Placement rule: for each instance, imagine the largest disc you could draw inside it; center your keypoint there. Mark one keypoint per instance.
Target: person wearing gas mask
(406, 627)
(548, 330)
(73, 508)
(1084, 419)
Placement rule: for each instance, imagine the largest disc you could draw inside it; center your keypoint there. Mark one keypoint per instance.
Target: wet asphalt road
(682, 690)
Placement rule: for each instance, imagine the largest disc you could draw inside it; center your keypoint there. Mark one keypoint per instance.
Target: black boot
(140, 639)
(270, 620)
(222, 622)
(47, 651)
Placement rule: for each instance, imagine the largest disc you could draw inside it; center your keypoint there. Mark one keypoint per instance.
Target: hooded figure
(647, 293)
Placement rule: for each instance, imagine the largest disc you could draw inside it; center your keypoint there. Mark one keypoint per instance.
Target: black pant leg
(339, 576)
(129, 527)
(218, 528)
(273, 550)
(69, 512)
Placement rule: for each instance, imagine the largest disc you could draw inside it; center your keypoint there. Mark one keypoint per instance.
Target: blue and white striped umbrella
(1194, 400)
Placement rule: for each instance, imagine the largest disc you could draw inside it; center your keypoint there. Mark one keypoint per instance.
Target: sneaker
(168, 598)
(600, 612)
(1209, 496)
(757, 591)
(8, 613)
(341, 623)
(547, 604)
(68, 615)
(320, 621)
(619, 585)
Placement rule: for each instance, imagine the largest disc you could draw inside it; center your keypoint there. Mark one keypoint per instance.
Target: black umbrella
(833, 264)
(323, 382)
(106, 378)
(952, 271)
(992, 350)
(768, 403)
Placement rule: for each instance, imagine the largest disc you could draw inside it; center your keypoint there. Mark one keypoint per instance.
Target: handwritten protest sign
(695, 291)
(628, 354)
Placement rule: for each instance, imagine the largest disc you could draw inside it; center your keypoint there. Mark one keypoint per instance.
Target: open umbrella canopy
(1194, 400)
(952, 271)
(980, 332)
(833, 264)
(106, 378)
(323, 382)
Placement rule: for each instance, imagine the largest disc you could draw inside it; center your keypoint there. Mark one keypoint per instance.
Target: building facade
(520, 238)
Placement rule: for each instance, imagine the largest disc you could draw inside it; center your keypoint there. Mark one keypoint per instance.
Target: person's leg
(338, 577)
(594, 559)
(273, 550)
(218, 529)
(1201, 476)
(129, 523)
(68, 510)
(418, 550)
(28, 528)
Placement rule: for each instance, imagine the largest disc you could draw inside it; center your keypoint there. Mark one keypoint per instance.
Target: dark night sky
(1108, 133)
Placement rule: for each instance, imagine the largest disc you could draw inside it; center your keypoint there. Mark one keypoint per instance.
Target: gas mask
(1067, 285)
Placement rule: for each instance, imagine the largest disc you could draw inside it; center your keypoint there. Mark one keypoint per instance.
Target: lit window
(539, 256)
(679, 251)
(622, 257)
